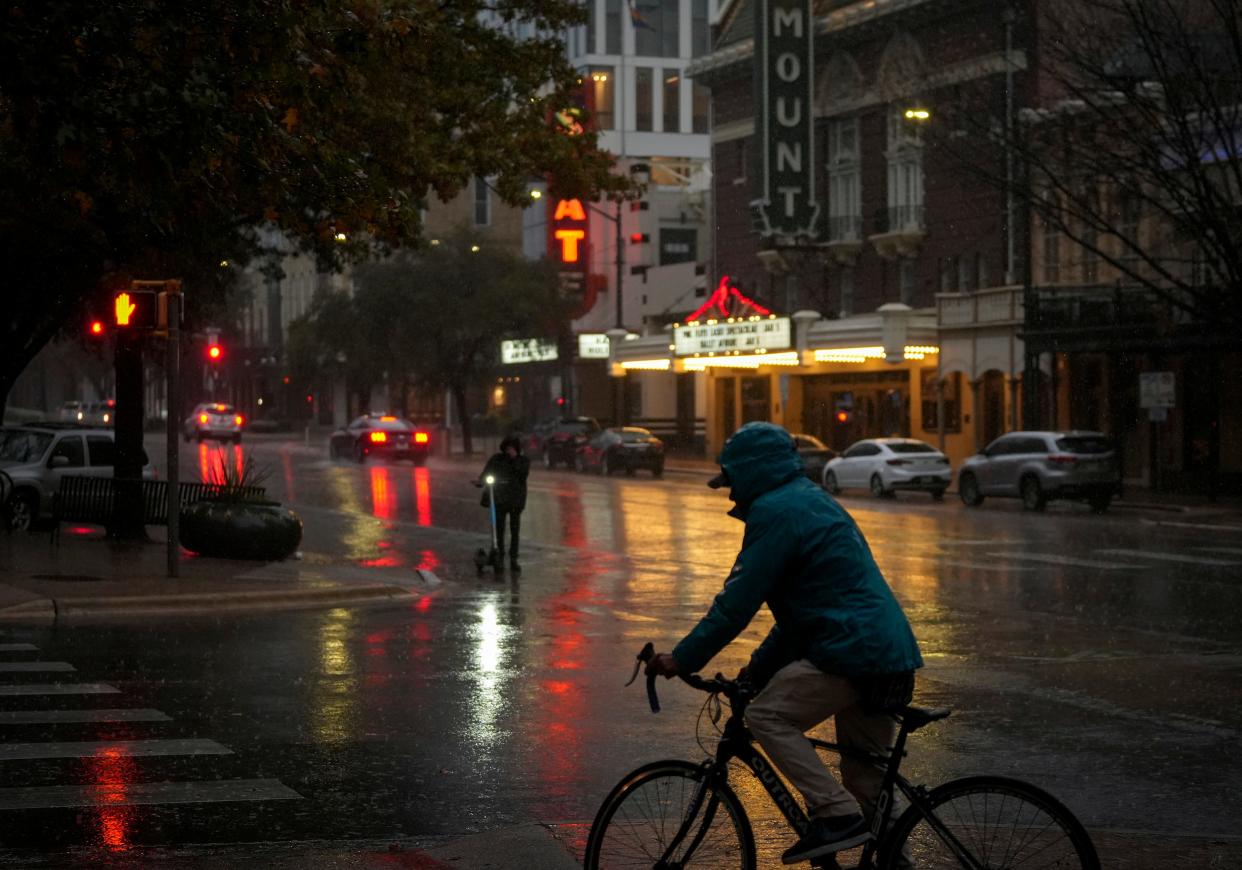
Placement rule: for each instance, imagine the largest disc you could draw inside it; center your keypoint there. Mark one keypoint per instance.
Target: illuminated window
(603, 94)
(482, 203)
(644, 98)
(672, 101)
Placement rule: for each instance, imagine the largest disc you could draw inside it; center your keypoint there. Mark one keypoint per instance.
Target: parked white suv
(36, 457)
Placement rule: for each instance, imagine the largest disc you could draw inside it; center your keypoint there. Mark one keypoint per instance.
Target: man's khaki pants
(797, 699)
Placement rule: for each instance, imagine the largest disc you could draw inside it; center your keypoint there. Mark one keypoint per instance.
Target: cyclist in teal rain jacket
(841, 645)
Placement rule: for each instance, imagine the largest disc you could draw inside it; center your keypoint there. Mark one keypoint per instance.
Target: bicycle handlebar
(718, 684)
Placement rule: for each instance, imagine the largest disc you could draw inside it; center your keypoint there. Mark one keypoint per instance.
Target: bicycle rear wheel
(642, 814)
(998, 822)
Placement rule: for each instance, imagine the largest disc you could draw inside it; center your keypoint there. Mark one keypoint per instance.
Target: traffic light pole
(173, 404)
(126, 521)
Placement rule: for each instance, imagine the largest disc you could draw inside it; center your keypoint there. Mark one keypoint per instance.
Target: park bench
(92, 499)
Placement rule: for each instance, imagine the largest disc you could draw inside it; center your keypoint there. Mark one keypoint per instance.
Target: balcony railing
(993, 306)
(899, 219)
(845, 228)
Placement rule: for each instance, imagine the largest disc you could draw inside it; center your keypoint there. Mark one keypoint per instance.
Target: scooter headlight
(489, 480)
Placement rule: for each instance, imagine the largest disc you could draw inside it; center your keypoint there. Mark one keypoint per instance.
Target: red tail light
(202, 418)
(1063, 459)
(238, 419)
(898, 461)
(379, 437)
(421, 437)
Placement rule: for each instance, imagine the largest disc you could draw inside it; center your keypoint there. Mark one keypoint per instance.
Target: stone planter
(240, 530)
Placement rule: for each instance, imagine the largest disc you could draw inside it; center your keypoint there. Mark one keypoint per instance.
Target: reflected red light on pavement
(286, 464)
(210, 468)
(423, 604)
(81, 530)
(428, 561)
(381, 562)
(422, 496)
(113, 771)
(381, 493)
(558, 687)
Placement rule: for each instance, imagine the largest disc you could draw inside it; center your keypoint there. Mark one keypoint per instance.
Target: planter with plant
(234, 524)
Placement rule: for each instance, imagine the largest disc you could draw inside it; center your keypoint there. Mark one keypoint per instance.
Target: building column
(976, 394)
(1015, 383)
(940, 414)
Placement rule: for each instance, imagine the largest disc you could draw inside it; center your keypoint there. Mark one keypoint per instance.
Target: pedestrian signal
(134, 309)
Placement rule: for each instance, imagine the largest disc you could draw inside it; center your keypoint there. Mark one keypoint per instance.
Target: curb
(51, 611)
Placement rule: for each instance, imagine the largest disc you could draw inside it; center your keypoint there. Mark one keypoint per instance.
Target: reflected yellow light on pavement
(334, 701)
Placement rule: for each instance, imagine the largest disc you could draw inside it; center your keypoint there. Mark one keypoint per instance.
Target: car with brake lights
(215, 420)
(621, 448)
(384, 436)
(886, 465)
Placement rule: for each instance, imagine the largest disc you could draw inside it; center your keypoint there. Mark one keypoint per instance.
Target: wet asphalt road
(1100, 657)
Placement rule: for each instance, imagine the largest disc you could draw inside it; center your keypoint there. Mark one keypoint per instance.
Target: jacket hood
(758, 458)
(510, 441)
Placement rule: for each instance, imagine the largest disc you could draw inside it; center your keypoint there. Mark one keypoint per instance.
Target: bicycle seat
(916, 717)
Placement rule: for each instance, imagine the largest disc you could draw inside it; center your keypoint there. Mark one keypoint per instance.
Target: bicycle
(673, 814)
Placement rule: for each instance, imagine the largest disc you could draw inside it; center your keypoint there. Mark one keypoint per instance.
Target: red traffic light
(560, 401)
(214, 352)
(97, 327)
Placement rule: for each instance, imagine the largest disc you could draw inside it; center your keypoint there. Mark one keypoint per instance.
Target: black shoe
(514, 566)
(827, 835)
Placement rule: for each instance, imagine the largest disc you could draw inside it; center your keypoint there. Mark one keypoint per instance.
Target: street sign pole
(173, 403)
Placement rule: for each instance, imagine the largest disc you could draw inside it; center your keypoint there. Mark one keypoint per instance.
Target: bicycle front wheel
(644, 812)
(990, 823)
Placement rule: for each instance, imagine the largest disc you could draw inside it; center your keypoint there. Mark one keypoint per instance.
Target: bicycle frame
(737, 743)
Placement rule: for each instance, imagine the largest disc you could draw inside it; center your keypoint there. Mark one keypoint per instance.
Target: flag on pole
(636, 17)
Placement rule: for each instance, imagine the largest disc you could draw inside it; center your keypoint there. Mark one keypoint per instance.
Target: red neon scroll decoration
(720, 298)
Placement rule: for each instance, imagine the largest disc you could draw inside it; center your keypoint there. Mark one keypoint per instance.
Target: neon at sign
(569, 230)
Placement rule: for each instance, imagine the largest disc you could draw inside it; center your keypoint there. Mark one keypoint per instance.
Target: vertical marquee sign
(567, 244)
(784, 79)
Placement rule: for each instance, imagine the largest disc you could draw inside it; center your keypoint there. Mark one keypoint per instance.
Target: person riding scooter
(510, 469)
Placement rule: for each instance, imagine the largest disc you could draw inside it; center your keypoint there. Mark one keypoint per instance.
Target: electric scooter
(482, 557)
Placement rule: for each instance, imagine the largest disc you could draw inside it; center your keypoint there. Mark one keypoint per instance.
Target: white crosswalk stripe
(54, 717)
(1180, 558)
(35, 667)
(97, 748)
(58, 689)
(142, 793)
(13, 755)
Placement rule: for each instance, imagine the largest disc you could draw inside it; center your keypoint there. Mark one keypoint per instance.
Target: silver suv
(1039, 466)
(37, 456)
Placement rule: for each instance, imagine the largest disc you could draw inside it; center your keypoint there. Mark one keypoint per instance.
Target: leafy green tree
(440, 313)
(148, 138)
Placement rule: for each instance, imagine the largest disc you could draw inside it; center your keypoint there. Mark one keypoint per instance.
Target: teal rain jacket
(805, 557)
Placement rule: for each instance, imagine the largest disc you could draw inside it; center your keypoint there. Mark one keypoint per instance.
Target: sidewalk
(87, 577)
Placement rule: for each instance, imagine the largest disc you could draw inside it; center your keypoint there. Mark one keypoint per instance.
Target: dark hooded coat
(803, 556)
(510, 474)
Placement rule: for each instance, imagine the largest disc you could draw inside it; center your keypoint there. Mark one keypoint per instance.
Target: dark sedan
(815, 455)
(563, 440)
(625, 448)
(385, 435)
